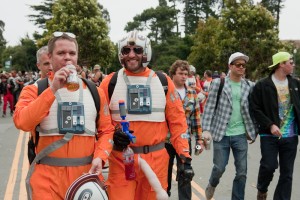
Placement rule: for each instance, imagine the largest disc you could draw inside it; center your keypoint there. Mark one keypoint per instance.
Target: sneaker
(261, 195)
(11, 113)
(3, 115)
(209, 191)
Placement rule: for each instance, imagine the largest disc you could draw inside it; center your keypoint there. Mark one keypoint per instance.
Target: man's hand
(185, 169)
(121, 140)
(206, 135)
(96, 166)
(276, 131)
(199, 144)
(60, 79)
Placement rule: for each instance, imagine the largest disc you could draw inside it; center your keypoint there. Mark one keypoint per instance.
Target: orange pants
(120, 188)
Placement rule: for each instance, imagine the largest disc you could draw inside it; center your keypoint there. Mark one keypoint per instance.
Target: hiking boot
(209, 191)
(261, 195)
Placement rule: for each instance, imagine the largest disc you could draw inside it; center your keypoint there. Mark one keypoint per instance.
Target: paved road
(14, 167)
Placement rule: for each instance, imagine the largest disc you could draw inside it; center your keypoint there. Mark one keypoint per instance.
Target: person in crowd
(191, 80)
(7, 90)
(74, 148)
(43, 62)
(80, 71)
(206, 86)
(97, 75)
(275, 102)
(227, 121)
(179, 72)
(149, 124)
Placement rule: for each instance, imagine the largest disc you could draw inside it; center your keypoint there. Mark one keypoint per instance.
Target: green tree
(43, 13)
(23, 55)
(2, 40)
(85, 20)
(274, 6)
(194, 10)
(160, 21)
(242, 27)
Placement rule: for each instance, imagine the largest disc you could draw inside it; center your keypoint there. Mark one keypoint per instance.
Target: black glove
(121, 140)
(185, 169)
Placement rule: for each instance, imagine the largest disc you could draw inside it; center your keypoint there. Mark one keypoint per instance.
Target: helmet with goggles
(139, 40)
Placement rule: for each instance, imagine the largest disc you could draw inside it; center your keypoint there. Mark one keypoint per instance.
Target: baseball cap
(236, 56)
(280, 57)
(97, 67)
(192, 69)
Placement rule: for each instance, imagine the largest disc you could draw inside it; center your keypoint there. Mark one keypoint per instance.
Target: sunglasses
(240, 65)
(136, 50)
(59, 34)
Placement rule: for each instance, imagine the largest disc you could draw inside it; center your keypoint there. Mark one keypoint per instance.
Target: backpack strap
(163, 80)
(42, 85)
(113, 81)
(222, 80)
(93, 88)
(112, 84)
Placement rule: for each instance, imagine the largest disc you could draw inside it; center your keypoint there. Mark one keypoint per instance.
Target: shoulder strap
(163, 80)
(92, 87)
(113, 81)
(222, 80)
(112, 84)
(42, 85)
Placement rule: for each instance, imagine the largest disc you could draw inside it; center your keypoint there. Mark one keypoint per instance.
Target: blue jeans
(271, 147)
(239, 147)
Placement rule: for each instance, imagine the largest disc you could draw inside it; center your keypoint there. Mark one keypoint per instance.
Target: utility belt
(144, 149)
(66, 162)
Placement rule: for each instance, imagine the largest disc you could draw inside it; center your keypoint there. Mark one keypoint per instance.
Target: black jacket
(264, 103)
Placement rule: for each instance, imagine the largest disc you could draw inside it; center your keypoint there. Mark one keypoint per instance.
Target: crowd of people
(76, 130)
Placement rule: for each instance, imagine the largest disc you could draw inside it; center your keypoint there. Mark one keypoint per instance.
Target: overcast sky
(14, 14)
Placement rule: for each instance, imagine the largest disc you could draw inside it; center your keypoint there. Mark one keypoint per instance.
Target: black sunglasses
(136, 50)
(240, 65)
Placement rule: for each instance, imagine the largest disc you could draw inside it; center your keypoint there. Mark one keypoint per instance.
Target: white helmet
(192, 69)
(86, 187)
(136, 38)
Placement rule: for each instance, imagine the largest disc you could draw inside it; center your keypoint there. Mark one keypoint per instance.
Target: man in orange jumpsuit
(54, 172)
(148, 111)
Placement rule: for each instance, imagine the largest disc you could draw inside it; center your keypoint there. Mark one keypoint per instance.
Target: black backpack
(42, 85)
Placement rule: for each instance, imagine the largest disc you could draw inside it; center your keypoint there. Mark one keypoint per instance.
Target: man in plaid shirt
(179, 73)
(229, 125)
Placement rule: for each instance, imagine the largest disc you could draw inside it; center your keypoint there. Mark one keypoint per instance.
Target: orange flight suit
(148, 133)
(52, 182)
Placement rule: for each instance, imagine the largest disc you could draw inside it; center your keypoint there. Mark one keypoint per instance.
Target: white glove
(206, 135)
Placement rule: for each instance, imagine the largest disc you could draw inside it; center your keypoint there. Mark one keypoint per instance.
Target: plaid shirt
(191, 106)
(216, 121)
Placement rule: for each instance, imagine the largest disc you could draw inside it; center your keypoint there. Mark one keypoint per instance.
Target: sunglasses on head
(243, 65)
(136, 50)
(59, 34)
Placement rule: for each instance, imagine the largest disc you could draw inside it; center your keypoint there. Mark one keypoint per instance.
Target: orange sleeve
(176, 120)
(105, 129)
(31, 108)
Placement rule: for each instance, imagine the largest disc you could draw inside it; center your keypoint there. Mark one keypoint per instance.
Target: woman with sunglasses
(148, 111)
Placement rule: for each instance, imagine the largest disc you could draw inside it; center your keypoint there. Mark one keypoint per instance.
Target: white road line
(14, 169)
(25, 167)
